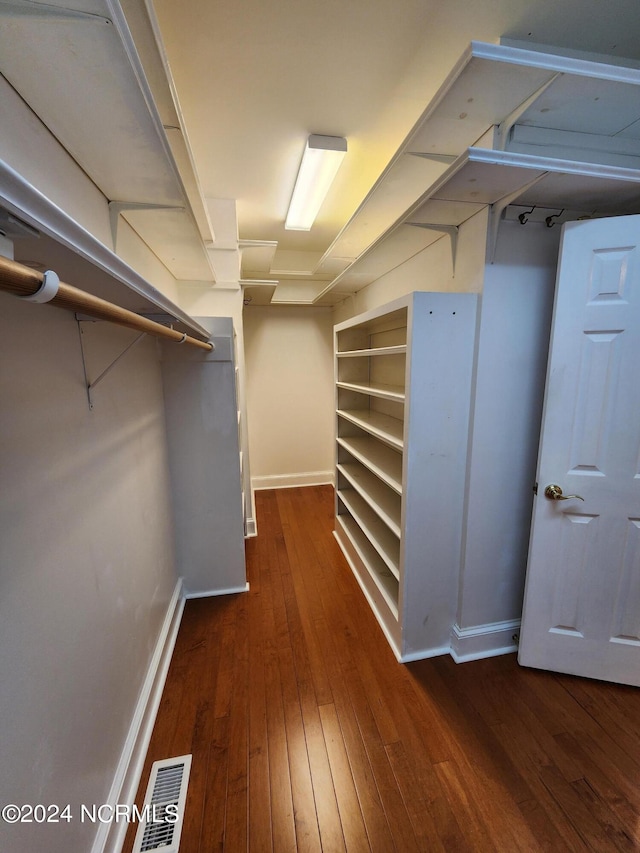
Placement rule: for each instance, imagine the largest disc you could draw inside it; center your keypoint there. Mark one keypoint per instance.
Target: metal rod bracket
(92, 385)
(47, 291)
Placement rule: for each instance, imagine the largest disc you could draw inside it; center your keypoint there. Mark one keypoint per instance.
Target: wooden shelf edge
(370, 463)
(371, 429)
(368, 534)
(392, 524)
(381, 391)
(400, 349)
(355, 558)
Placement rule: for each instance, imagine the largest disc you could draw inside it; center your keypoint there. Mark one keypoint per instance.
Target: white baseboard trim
(250, 528)
(293, 481)
(110, 836)
(213, 592)
(424, 654)
(484, 641)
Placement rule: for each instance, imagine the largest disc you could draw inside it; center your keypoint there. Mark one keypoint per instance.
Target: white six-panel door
(582, 599)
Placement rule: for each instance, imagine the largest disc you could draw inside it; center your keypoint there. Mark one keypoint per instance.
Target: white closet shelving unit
(403, 389)
(525, 135)
(236, 374)
(248, 516)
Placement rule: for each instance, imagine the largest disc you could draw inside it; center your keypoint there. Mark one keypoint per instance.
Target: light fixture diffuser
(320, 162)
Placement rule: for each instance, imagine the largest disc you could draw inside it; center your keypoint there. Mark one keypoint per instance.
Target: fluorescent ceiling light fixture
(320, 162)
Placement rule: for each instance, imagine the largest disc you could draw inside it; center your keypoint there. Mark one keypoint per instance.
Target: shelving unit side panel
(441, 345)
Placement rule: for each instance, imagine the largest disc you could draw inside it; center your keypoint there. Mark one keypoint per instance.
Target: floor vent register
(163, 810)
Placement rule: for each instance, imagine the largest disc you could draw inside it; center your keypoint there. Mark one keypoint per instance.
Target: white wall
(86, 561)
(290, 397)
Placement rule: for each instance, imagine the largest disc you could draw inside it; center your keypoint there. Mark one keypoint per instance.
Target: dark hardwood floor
(307, 734)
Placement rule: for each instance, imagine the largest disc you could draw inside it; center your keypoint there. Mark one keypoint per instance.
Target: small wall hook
(524, 217)
(549, 221)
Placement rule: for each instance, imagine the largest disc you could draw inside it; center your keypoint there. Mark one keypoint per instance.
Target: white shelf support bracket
(497, 210)
(451, 230)
(92, 385)
(437, 158)
(118, 207)
(32, 9)
(504, 128)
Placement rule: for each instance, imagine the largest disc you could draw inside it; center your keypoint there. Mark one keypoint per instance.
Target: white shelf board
(384, 427)
(124, 149)
(482, 177)
(486, 176)
(379, 573)
(385, 503)
(19, 197)
(383, 540)
(396, 190)
(400, 349)
(487, 88)
(384, 462)
(257, 292)
(375, 389)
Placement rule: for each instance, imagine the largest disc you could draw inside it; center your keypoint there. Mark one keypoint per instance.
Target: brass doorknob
(554, 493)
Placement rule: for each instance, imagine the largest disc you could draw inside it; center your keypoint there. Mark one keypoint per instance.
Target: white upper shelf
(570, 125)
(482, 177)
(106, 118)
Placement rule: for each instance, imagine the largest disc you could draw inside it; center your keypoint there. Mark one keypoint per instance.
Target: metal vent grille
(163, 810)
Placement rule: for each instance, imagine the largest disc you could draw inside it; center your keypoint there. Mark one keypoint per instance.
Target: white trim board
(210, 593)
(110, 836)
(484, 641)
(293, 481)
(250, 527)
(424, 654)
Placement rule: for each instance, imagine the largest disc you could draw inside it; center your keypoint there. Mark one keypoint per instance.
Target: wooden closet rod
(25, 282)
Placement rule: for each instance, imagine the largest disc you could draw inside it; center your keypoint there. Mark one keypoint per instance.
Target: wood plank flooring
(307, 735)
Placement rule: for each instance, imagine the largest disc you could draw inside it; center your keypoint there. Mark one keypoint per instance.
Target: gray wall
(86, 561)
(513, 340)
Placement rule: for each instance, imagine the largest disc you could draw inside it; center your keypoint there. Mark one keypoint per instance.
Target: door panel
(582, 598)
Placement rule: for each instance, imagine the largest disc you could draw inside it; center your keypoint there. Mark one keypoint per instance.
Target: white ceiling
(204, 106)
